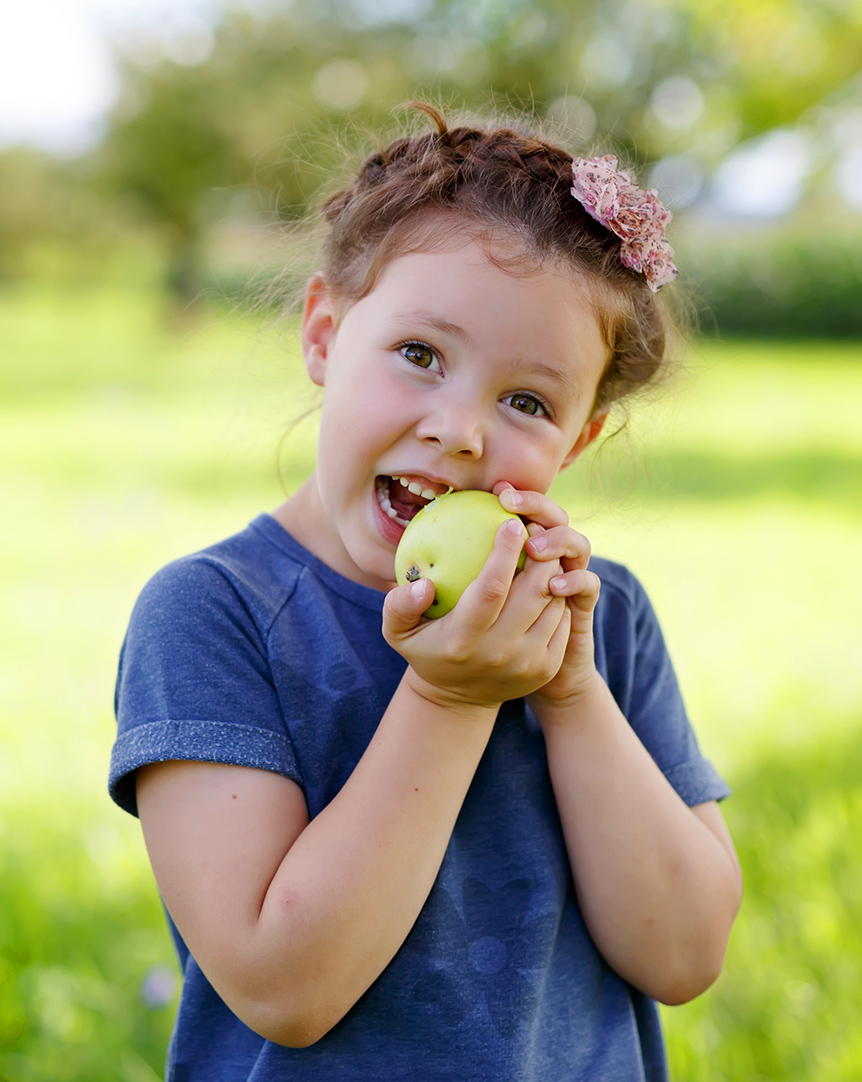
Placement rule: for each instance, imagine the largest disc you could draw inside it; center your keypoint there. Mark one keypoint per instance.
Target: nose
(455, 431)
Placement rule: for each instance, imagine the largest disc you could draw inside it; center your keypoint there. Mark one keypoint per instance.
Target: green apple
(448, 541)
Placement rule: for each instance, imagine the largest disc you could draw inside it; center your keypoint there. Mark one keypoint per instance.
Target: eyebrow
(562, 377)
(427, 319)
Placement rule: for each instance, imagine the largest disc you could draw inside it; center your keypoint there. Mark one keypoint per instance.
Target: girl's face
(450, 372)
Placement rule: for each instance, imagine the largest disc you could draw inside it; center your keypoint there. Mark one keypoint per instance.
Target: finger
(549, 633)
(560, 543)
(530, 595)
(535, 506)
(404, 606)
(581, 587)
(560, 637)
(536, 576)
(487, 595)
(547, 622)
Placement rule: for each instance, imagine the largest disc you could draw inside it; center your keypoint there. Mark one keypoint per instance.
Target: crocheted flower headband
(637, 217)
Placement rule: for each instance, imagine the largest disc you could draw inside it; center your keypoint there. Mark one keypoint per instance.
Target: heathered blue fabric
(255, 653)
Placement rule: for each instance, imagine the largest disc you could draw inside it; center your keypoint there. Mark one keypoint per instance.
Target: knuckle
(577, 543)
(559, 515)
(493, 588)
(456, 650)
(549, 671)
(498, 662)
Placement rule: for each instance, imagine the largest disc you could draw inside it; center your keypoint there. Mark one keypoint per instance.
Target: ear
(589, 432)
(318, 327)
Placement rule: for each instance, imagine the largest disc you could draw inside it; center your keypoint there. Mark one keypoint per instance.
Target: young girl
(478, 847)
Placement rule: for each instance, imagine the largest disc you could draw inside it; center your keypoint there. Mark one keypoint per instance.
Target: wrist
(449, 699)
(555, 711)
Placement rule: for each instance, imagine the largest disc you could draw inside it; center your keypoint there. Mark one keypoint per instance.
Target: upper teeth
(417, 489)
(386, 503)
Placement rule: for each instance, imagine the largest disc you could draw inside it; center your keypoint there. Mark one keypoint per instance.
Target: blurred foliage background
(746, 116)
(144, 406)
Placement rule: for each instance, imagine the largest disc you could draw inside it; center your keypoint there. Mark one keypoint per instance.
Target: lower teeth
(387, 508)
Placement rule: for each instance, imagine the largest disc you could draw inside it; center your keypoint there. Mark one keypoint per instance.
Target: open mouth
(401, 498)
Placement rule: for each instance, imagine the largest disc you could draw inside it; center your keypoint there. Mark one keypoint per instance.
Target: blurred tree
(24, 176)
(256, 114)
(54, 224)
(244, 127)
(778, 57)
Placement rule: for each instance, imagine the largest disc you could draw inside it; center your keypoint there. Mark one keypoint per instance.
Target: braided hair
(492, 184)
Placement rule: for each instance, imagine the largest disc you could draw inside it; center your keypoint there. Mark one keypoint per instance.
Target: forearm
(658, 888)
(351, 886)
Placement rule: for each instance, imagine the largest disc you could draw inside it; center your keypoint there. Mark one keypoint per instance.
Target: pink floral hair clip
(637, 217)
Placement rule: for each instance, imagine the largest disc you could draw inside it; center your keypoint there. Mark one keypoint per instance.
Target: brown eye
(525, 403)
(419, 354)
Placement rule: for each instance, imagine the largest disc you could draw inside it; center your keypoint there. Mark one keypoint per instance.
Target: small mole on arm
(233, 796)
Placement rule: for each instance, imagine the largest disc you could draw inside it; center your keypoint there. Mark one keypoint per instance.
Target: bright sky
(56, 74)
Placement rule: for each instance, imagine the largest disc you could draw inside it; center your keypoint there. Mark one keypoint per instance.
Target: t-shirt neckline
(357, 592)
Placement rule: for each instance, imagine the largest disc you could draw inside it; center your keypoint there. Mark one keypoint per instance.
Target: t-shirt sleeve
(642, 679)
(194, 681)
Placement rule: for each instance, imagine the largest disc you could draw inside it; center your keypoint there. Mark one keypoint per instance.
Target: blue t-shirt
(253, 652)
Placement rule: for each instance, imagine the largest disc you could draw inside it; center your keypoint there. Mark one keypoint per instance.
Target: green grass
(128, 438)
(787, 1006)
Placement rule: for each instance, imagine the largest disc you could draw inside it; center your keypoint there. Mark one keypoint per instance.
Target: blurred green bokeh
(127, 439)
(746, 115)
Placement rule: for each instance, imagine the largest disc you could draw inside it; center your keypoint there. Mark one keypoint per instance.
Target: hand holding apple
(495, 645)
(448, 542)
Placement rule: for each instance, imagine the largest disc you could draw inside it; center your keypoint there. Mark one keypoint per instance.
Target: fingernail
(418, 589)
(515, 499)
(539, 543)
(559, 583)
(515, 526)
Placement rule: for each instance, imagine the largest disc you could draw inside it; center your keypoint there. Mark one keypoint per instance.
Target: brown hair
(503, 184)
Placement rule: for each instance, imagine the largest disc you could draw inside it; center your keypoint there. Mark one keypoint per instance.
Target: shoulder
(632, 655)
(623, 597)
(615, 576)
(212, 610)
(630, 647)
(246, 572)
(195, 678)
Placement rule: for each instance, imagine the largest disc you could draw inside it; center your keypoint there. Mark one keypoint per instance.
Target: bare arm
(658, 882)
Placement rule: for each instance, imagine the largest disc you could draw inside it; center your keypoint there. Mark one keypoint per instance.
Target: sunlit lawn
(126, 440)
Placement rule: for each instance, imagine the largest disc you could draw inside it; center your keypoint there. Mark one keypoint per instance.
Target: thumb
(404, 606)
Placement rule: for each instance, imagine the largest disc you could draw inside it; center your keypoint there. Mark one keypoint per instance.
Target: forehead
(479, 293)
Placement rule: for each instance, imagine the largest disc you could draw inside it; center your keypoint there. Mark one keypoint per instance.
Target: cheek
(369, 396)
(528, 470)
(361, 422)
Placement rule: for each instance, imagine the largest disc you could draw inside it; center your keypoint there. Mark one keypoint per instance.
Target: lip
(390, 530)
(387, 528)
